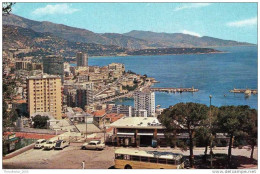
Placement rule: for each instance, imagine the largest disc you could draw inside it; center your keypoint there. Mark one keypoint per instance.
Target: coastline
(220, 52)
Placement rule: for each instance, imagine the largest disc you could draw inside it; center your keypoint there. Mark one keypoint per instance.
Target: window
(119, 156)
(153, 160)
(144, 159)
(172, 162)
(162, 161)
(135, 158)
(126, 157)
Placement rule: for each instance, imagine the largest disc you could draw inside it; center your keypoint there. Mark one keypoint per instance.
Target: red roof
(99, 113)
(30, 135)
(20, 101)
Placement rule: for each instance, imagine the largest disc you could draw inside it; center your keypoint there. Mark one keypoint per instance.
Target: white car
(60, 144)
(93, 145)
(40, 143)
(50, 144)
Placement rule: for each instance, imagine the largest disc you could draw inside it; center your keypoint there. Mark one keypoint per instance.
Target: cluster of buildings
(75, 98)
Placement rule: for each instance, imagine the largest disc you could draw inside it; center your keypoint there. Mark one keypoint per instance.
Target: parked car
(50, 144)
(93, 145)
(60, 144)
(39, 144)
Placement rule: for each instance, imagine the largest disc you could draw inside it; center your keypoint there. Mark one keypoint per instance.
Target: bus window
(153, 160)
(126, 157)
(171, 162)
(162, 161)
(135, 158)
(119, 156)
(144, 159)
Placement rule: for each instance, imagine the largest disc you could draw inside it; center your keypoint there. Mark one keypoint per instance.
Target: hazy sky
(234, 21)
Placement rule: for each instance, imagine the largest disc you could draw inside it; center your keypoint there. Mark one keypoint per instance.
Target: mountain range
(131, 40)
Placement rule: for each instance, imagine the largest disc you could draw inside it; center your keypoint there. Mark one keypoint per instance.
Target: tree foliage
(187, 117)
(236, 121)
(40, 122)
(7, 7)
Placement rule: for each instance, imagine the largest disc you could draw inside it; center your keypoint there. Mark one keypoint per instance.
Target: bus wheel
(128, 167)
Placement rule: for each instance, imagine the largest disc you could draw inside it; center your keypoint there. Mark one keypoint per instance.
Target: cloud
(191, 5)
(55, 9)
(191, 33)
(243, 23)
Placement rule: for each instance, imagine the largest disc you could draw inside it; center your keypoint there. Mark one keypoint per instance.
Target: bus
(140, 159)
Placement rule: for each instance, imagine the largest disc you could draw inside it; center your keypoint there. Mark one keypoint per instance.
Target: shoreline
(220, 52)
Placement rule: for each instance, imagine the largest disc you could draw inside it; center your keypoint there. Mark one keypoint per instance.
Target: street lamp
(86, 126)
(210, 96)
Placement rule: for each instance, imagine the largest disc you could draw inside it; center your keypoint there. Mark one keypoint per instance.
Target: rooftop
(44, 76)
(138, 122)
(99, 113)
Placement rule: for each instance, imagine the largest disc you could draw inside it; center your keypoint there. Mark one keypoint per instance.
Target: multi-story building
(82, 59)
(22, 65)
(144, 100)
(123, 109)
(53, 65)
(116, 69)
(44, 95)
(84, 97)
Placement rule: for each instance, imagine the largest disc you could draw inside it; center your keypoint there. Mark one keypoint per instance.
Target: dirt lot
(71, 157)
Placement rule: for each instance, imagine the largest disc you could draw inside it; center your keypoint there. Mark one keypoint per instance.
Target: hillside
(74, 34)
(132, 40)
(47, 43)
(182, 40)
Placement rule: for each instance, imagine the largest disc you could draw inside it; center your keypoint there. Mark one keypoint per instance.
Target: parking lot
(71, 157)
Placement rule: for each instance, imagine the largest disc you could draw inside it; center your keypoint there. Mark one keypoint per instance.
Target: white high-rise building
(144, 101)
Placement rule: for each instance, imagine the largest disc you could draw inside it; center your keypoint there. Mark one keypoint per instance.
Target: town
(150, 101)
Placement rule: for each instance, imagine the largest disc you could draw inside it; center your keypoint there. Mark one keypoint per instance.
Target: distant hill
(47, 43)
(42, 44)
(182, 40)
(75, 34)
(132, 40)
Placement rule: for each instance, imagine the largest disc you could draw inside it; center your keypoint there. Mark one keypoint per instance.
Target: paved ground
(72, 157)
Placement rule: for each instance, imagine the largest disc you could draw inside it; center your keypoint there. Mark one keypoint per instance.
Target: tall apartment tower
(53, 65)
(144, 101)
(44, 95)
(82, 59)
(84, 97)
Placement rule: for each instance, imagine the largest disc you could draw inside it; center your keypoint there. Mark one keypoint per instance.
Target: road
(72, 157)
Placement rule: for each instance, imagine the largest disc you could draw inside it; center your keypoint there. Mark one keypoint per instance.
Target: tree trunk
(191, 149)
(229, 150)
(206, 151)
(252, 151)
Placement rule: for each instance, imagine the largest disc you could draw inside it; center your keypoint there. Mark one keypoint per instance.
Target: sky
(230, 21)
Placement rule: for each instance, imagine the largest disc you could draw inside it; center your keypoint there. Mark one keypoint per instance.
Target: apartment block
(123, 109)
(82, 59)
(84, 97)
(44, 95)
(53, 64)
(144, 100)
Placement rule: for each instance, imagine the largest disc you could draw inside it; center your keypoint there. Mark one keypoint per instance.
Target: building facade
(123, 109)
(53, 65)
(144, 100)
(82, 59)
(84, 97)
(44, 95)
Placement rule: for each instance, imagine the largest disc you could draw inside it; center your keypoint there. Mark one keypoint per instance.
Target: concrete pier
(174, 90)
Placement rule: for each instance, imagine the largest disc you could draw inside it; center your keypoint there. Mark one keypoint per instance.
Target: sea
(212, 74)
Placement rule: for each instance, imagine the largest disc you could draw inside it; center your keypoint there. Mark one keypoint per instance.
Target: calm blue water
(212, 74)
